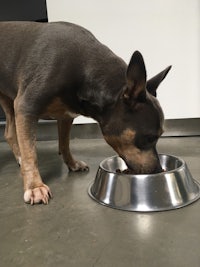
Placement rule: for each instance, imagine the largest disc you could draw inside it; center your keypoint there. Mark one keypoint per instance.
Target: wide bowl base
(172, 189)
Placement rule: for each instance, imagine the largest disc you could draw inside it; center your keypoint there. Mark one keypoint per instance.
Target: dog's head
(135, 123)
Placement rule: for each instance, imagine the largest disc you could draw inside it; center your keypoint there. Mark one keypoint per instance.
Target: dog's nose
(158, 169)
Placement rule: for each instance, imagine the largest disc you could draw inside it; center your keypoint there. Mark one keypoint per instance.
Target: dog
(58, 71)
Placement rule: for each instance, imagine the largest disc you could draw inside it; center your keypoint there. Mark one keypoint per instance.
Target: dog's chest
(58, 110)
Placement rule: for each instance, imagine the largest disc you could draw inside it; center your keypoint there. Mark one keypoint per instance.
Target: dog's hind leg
(35, 190)
(64, 127)
(10, 129)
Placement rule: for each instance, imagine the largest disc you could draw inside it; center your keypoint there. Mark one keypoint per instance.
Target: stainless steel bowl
(172, 189)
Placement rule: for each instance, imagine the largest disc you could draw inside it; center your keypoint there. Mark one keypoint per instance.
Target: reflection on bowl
(172, 189)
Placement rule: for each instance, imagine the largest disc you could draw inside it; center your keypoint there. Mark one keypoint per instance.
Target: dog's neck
(101, 90)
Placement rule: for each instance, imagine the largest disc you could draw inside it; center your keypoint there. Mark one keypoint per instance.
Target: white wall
(166, 32)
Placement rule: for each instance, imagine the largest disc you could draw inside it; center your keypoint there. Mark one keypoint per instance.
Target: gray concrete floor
(75, 231)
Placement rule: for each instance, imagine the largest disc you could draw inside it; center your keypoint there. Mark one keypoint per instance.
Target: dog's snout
(142, 169)
(145, 164)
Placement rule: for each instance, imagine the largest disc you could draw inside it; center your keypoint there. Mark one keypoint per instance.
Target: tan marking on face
(58, 110)
(125, 141)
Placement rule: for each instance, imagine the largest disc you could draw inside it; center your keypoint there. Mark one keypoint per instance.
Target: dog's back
(28, 47)
(65, 54)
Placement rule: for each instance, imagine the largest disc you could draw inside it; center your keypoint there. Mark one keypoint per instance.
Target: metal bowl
(174, 188)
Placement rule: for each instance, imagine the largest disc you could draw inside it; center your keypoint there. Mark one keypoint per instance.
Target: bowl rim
(183, 163)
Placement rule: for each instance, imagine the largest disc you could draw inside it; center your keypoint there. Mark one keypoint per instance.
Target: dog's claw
(38, 195)
(79, 166)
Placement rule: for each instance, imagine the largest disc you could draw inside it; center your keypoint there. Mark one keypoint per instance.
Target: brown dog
(60, 70)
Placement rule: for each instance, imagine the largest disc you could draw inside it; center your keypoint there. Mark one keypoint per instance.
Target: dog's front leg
(10, 129)
(35, 190)
(64, 127)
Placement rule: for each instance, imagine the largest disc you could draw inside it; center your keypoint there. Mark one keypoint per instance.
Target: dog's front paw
(38, 195)
(78, 166)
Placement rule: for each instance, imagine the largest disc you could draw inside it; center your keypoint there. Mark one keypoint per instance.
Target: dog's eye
(146, 141)
(151, 138)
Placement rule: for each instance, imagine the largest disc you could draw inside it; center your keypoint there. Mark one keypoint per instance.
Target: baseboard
(47, 130)
(182, 127)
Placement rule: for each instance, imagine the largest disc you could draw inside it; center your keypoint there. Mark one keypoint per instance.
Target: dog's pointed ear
(154, 82)
(136, 78)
